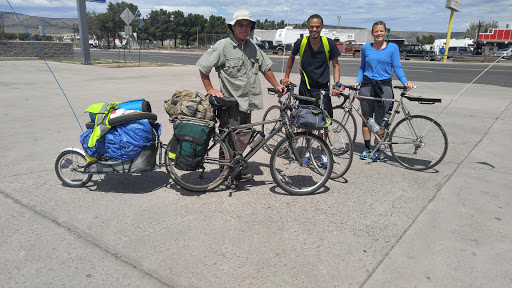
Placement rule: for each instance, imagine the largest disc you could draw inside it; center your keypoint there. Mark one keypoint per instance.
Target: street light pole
(339, 17)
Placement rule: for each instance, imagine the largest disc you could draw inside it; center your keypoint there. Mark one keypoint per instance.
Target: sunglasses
(240, 25)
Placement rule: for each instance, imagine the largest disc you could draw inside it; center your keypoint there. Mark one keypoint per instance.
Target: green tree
(107, 25)
(2, 32)
(76, 30)
(23, 37)
(193, 24)
(177, 25)
(473, 28)
(281, 24)
(426, 39)
(259, 25)
(304, 25)
(216, 25)
(158, 26)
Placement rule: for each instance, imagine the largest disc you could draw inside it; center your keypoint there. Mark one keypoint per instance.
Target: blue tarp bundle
(122, 142)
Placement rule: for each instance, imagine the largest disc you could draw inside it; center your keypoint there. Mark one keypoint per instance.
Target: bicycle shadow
(388, 159)
(255, 168)
(129, 183)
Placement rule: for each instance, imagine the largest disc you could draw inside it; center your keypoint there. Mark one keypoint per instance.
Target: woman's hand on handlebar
(214, 92)
(356, 85)
(409, 86)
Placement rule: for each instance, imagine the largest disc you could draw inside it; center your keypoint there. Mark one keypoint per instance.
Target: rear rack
(423, 100)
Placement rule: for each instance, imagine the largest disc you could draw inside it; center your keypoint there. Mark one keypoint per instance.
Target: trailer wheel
(279, 51)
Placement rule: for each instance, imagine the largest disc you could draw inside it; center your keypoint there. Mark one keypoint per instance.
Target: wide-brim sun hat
(241, 15)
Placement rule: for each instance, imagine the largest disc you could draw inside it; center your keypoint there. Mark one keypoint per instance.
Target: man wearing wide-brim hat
(237, 61)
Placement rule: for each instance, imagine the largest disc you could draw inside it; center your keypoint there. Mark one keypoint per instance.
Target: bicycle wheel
(210, 176)
(273, 112)
(70, 168)
(347, 119)
(418, 142)
(341, 145)
(301, 176)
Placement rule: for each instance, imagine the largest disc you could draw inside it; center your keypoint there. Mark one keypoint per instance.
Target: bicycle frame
(396, 110)
(230, 130)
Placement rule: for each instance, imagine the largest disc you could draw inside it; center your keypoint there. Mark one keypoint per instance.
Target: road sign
(128, 30)
(453, 5)
(127, 16)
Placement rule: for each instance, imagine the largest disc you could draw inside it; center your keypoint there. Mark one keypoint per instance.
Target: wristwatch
(338, 86)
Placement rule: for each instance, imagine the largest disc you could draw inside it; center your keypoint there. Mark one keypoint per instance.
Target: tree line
(161, 25)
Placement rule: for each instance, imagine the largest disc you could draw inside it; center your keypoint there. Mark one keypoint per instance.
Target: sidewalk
(449, 227)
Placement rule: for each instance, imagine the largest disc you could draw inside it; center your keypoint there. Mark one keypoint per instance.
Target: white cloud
(411, 15)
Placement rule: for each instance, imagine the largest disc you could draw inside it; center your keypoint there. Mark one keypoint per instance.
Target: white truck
(438, 43)
(286, 37)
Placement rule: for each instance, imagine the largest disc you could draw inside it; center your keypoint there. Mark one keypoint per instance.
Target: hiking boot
(244, 177)
(306, 158)
(376, 156)
(324, 160)
(365, 154)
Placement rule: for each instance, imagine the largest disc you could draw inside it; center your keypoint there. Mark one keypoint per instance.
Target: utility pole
(84, 32)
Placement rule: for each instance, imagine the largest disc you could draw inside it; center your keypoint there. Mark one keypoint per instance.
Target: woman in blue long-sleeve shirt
(374, 76)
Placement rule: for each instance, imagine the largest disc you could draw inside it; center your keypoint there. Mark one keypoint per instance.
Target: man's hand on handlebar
(285, 81)
(409, 86)
(214, 92)
(281, 91)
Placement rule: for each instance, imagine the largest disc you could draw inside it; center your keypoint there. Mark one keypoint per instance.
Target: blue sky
(409, 15)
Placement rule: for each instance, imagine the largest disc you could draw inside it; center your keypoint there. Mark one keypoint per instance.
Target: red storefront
(496, 39)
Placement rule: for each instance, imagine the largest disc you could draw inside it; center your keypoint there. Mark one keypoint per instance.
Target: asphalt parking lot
(379, 226)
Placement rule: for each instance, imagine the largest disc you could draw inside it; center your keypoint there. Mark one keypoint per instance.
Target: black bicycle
(336, 135)
(295, 163)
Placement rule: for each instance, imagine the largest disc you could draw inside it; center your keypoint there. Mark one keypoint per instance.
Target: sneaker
(306, 158)
(365, 154)
(323, 160)
(376, 156)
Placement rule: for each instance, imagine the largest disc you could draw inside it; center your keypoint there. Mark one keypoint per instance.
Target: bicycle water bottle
(256, 139)
(384, 123)
(373, 125)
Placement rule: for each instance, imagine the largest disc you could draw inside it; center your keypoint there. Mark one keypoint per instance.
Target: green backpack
(190, 142)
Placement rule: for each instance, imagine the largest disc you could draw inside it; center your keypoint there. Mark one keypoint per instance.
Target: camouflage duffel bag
(189, 103)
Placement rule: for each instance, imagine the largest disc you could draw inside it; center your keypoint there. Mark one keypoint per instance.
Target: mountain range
(60, 26)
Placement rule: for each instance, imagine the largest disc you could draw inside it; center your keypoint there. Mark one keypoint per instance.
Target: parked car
(459, 50)
(507, 53)
(271, 47)
(416, 50)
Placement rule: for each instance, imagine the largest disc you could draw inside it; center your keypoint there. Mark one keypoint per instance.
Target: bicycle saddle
(224, 102)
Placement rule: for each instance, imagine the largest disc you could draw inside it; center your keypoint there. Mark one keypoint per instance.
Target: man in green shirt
(237, 61)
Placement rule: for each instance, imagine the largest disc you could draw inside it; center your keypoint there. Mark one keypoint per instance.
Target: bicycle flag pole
(462, 91)
(44, 59)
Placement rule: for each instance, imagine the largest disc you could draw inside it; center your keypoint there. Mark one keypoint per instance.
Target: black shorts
(375, 108)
